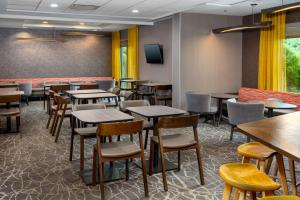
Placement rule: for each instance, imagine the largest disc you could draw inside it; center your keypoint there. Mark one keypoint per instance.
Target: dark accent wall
(78, 56)
(251, 49)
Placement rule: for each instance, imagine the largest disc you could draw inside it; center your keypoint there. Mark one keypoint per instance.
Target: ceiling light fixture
(81, 23)
(45, 22)
(218, 4)
(282, 8)
(135, 11)
(53, 5)
(253, 25)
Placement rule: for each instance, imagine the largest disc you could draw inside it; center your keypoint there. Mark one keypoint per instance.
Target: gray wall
(209, 62)
(79, 56)
(160, 33)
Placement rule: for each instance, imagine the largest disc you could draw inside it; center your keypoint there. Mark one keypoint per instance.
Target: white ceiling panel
(92, 2)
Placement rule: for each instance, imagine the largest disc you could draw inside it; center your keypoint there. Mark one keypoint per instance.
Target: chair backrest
(88, 86)
(133, 103)
(62, 102)
(128, 95)
(10, 98)
(106, 84)
(90, 106)
(178, 122)
(198, 103)
(59, 88)
(141, 87)
(26, 87)
(240, 112)
(163, 90)
(120, 128)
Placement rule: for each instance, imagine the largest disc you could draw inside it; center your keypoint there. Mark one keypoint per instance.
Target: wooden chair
(175, 142)
(61, 113)
(245, 178)
(10, 112)
(147, 125)
(59, 89)
(162, 93)
(88, 87)
(124, 150)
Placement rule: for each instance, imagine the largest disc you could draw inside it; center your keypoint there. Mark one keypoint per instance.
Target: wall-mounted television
(154, 53)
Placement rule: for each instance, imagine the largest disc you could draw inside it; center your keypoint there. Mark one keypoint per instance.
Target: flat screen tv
(154, 53)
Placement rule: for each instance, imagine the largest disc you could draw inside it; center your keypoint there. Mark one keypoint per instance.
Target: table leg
(8, 124)
(72, 137)
(44, 97)
(116, 100)
(270, 112)
(280, 163)
(81, 154)
(293, 176)
(220, 107)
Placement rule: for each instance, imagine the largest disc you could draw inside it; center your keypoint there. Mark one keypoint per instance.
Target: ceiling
(110, 15)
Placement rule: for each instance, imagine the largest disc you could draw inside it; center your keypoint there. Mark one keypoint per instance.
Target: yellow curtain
(272, 59)
(116, 60)
(133, 52)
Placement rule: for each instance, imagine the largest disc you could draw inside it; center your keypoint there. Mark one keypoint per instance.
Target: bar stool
(286, 197)
(245, 177)
(257, 151)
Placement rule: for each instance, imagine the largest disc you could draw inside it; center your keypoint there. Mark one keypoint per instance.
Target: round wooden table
(271, 105)
(220, 97)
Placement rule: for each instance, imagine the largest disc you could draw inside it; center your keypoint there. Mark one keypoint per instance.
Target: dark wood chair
(10, 112)
(124, 150)
(59, 89)
(162, 93)
(175, 142)
(88, 86)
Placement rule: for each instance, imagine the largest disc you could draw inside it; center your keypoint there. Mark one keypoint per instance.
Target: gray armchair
(27, 89)
(201, 104)
(240, 112)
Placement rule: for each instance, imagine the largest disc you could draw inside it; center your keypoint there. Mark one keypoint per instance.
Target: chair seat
(176, 141)
(54, 107)
(119, 149)
(9, 112)
(285, 197)
(147, 124)
(247, 177)
(255, 150)
(86, 132)
(67, 113)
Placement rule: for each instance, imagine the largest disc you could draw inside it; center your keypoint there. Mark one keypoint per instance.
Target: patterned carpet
(32, 166)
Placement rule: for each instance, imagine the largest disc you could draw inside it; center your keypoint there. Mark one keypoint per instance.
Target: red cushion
(247, 94)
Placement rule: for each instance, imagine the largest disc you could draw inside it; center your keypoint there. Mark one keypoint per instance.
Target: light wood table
(96, 117)
(155, 112)
(220, 97)
(96, 96)
(281, 133)
(8, 93)
(151, 85)
(91, 91)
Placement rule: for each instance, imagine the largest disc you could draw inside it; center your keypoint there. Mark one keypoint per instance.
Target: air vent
(80, 7)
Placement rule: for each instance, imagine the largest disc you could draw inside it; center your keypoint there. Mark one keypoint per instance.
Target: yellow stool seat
(255, 150)
(280, 198)
(247, 177)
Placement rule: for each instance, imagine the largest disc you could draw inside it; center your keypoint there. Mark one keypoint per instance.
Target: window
(293, 64)
(124, 65)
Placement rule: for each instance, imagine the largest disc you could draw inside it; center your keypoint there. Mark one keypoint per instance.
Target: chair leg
(49, 119)
(101, 180)
(252, 195)
(200, 164)
(53, 126)
(262, 165)
(245, 160)
(58, 128)
(146, 138)
(144, 174)
(151, 158)
(214, 120)
(18, 122)
(178, 157)
(293, 176)
(127, 170)
(231, 132)
(227, 192)
(163, 168)
(94, 172)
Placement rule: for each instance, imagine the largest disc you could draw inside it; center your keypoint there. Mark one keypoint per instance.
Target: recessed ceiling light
(135, 11)
(81, 23)
(218, 4)
(45, 22)
(53, 5)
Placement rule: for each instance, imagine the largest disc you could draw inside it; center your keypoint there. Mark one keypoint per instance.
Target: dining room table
(96, 117)
(95, 96)
(154, 112)
(281, 133)
(89, 91)
(220, 98)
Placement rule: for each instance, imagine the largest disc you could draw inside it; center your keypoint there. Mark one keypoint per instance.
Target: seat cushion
(119, 149)
(247, 177)
(9, 112)
(176, 141)
(255, 150)
(88, 131)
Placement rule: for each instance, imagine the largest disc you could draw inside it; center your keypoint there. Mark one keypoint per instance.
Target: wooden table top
(91, 91)
(50, 84)
(224, 96)
(8, 93)
(156, 111)
(101, 116)
(275, 104)
(281, 133)
(94, 95)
